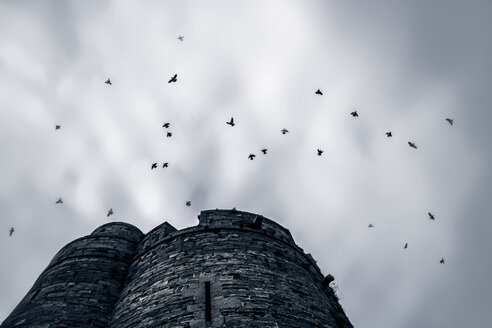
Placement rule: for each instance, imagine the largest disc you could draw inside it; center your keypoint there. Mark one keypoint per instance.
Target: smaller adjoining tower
(234, 269)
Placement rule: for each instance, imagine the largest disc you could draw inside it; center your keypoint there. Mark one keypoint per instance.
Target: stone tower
(234, 269)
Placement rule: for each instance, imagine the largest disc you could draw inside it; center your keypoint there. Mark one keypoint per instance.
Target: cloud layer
(404, 68)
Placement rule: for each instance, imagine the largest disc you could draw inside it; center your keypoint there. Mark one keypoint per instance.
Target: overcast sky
(404, 66)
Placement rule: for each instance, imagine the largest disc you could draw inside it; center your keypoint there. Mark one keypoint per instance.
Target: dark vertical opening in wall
(208, 306)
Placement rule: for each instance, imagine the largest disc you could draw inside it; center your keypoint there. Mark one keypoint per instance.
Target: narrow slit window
(208, 306)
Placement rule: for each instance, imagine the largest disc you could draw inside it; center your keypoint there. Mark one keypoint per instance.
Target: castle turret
(234, 269)
(82, 283)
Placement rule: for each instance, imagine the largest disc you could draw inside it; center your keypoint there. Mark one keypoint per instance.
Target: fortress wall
(257, 277)
(82, 282)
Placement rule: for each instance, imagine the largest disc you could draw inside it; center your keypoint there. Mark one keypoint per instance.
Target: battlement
(233, 269)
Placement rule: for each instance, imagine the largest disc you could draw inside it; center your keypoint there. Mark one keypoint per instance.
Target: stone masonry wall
(256, 276)
(81, 284)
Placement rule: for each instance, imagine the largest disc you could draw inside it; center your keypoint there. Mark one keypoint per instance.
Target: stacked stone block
(234, 269)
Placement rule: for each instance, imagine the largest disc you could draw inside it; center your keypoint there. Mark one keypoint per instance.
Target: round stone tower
(82, 283)
(234, 269)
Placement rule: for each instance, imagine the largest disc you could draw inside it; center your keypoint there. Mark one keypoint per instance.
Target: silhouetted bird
(411, 144)
(370, 225)
(173, 79)
(165, 165)
(110, 212)
(320, 152)
(166, 125)
(108, 81)
(388, 134)
(59, 201)
(154, 166)
(180, 38)
(450, 120)
(406, 246)
(231, 122)
(57, 127)
(318, 92)
(169, 134)
(11, 231)
(354, 114)
(284, 131)
(264, 151)
(442, 260)
(431, 216)
(251, 156)
(188, 203)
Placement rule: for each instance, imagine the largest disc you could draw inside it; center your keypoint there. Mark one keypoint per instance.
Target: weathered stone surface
(117, 277)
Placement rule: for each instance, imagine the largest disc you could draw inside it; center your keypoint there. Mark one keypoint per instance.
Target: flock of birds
(251, 156)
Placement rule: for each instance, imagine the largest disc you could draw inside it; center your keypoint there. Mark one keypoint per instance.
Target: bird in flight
(264, 151)
(450, 121)
(166, 125)
(173, 79)
(284, 131)
(442, 260)
(318, 92)
(431, 216)
(165, 165)
(370, 225)
(320, 152)
(231, 122)
(154, 166)
(110, 212)
(406, 246)
(59, 201)
(354, 114)
(108, 81)
(180, 38)
(388, 134)
(57, 127)
(11, 231)
(188, 203)
(251, 156)
(169, 134)
(411, 144)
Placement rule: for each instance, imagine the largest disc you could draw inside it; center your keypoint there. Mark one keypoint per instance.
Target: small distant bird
(154, 166)
(108, 81)
(411, 144)
(11, 231)
(388, 134)
(251, 156)
(370, 225)
(284, 131)
(431, 216)
(110, 212)
(173, 79)
(354, 114)
(442, 260)
(169, 134)
(57, 127)
(318, 92)
(450, 120)
(165, 165)
(320, 152)
(59, 201)
(264, 151)
(166, 125)
(180, 38)
(188, 203)
(231, 122)
(406, 246)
